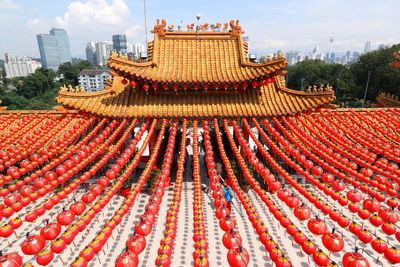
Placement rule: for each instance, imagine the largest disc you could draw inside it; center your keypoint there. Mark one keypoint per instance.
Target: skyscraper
(103, 51)
(367, 47)
(91, 53)
(119, 43)
(54, 48)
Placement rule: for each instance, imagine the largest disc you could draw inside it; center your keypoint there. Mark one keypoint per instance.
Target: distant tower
(330, 49)
(119, 43)
(367, 47)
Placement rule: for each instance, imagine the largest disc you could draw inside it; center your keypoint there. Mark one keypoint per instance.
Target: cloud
(8, 4)
(97, 13)
(91, 20)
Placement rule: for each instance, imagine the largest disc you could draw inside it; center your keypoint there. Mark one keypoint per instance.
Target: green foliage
(316, 72)
(70, 71)
(152, 178)
(38, 91)
(384, 78)
(349, 82)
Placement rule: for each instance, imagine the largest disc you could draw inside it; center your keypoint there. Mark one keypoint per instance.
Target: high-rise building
(103, 51)
(119, 43)
(54, 48)
(292, 57)
(381, 46)
(367, 47)
(93, 79)
(91, 53)
(139, 48)
(17, 66)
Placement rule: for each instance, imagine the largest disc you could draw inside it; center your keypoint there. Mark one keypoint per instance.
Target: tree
(70, 71)
(36, 84)
(384, 78)
(316, 72)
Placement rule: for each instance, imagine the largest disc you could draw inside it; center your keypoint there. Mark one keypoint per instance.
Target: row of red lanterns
(354, 228)
(37, 159)
(137, 242)
(51, 230)
(206, 86)
(355, 197)
(355, 155)
(275, 253)
(301, 212)
(96, 245)
(200, 255)
(46, 186)
(231, 239)
(167, 242)
(15, 133)
(43, 186)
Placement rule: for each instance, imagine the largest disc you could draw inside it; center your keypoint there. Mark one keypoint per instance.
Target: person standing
(228, 194)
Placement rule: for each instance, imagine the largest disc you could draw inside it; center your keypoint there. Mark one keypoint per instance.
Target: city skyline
(274, 25)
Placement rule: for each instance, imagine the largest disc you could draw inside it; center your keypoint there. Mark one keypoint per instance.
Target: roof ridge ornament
(159, 28)
(236, 29)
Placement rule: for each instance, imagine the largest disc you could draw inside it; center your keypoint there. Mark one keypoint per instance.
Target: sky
(270, 25)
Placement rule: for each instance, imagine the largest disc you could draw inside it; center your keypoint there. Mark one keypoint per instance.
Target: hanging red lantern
(317, 226)
(327, 177)
(338, 185)
(78, 207)
(232, 239)
(33, 244)
(365, 236)
(50, 231)
(292, 202)
(372, 205)
(354, 195)
(302, 213)
(309, 247)
(238, 257)
(389, 228)
(127, 259)
(320, 258)
(10, 260)
(44, 257)
(354, 259)
(79, 262)
(136, 244)
(389, 215)
(66, 217)
(333, 242)
(379, 245)
(392, 255)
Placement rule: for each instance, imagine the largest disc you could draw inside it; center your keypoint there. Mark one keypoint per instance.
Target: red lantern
(354, 259)
(50, 231)
(238, 257)
(365, 236)
(372, 205)
(354, 195)
(392, 255)
(136, 244)
(379, 245)
(45, 257)
(320, 258)
(333, 242)
(33, 244)
(317, 226)
(78, 207)
(127, 259)
(11, 260)
(302, 213)
(309, 247)
(338, 186)
(232, 239)
(66, 217)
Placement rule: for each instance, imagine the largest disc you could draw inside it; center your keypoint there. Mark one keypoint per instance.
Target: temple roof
(209, 73)
(197, 57)
(387, 100)
(119, 100)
